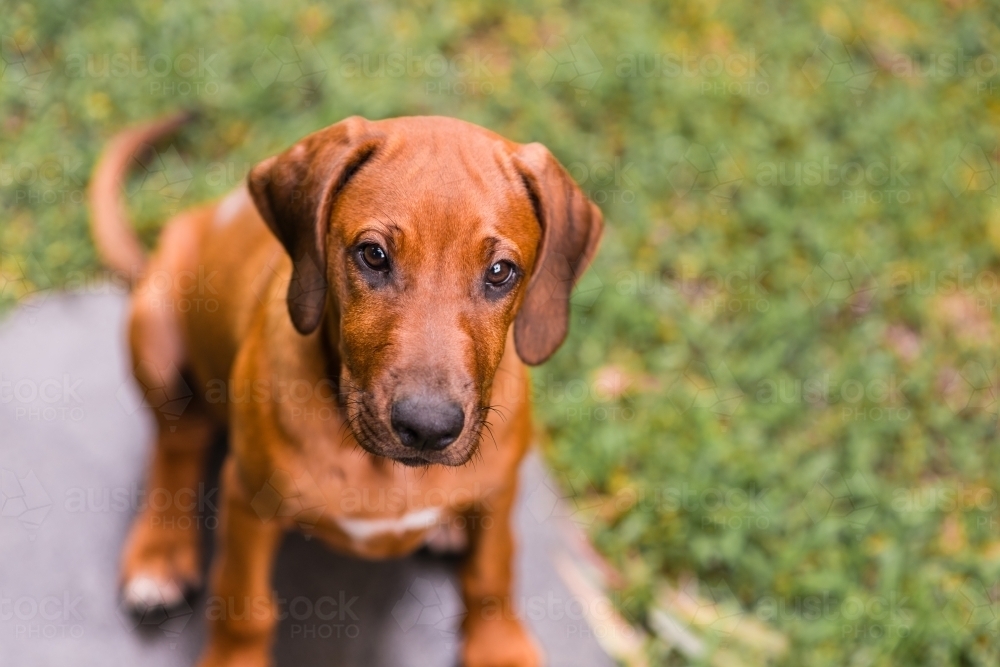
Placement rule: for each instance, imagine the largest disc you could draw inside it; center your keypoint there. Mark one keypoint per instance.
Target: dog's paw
(143, 594)
(499, 643)
(160, 568)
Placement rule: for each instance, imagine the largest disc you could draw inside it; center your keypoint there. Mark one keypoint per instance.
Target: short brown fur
(294, 307)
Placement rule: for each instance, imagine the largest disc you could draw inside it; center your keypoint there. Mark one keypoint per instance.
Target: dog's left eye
(374, 257)
(499, 274)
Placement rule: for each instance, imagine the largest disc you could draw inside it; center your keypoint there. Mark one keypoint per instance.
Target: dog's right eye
(374, 257)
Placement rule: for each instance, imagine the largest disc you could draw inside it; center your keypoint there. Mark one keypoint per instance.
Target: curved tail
(117, 243)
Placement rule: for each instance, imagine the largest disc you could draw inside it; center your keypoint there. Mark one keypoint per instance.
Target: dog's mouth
(413, 462)
(376, 437)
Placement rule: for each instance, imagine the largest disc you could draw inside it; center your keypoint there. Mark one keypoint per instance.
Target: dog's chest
(362, 530)
(372, 513)
(385, 536)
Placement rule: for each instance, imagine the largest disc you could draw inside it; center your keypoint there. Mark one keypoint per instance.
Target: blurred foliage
(781, 377)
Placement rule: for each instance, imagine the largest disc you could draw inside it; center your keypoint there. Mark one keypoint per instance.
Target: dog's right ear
(571, 229)
(294, 193)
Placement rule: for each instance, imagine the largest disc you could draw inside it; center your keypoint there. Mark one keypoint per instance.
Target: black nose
(423, 422)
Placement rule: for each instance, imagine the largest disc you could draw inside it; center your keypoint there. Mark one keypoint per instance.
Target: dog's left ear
(294, 193)
(571, 229)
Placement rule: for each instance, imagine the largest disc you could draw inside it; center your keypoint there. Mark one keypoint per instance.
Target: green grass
(782, 373)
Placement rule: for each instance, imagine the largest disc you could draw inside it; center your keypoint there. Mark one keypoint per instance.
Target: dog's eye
(374, 257)
(499, 274)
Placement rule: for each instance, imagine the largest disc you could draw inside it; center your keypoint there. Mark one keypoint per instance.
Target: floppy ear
(571, 229)
(294, 193)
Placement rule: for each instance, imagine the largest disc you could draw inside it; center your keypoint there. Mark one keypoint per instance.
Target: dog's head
(419, 241)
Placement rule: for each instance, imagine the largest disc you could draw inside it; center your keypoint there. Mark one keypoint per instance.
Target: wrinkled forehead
(438, 190)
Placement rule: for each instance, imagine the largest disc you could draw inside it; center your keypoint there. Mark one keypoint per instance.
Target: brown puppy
(363, 286)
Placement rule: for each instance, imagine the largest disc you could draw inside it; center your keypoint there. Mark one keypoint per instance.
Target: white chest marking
(362, 530)
(231, 206)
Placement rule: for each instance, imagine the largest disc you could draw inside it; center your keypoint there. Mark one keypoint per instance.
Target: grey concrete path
(72, 457)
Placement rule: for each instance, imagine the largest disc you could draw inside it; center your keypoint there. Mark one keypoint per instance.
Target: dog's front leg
(240, 611)
(494, 636)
